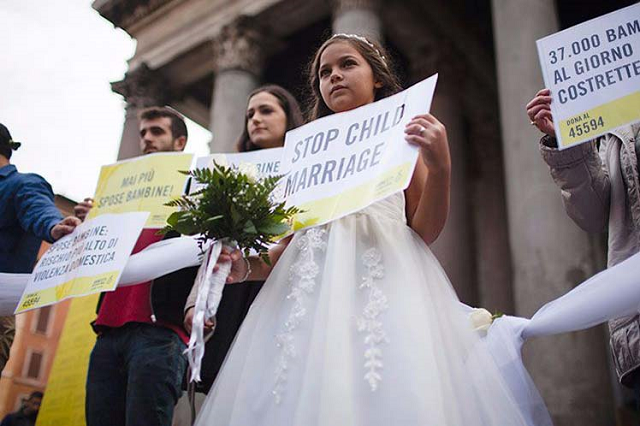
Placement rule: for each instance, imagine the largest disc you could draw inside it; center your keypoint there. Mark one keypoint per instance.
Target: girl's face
(346, 78)
(266, 120)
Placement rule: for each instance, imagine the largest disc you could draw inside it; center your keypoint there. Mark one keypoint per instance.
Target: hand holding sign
(426, 132)
(64, 227)
(82, 209)
(539, 112)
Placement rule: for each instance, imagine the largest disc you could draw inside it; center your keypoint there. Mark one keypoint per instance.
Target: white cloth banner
(156, 260)
(611, 294)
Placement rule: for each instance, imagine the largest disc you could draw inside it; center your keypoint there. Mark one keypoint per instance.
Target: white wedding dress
(358, 325)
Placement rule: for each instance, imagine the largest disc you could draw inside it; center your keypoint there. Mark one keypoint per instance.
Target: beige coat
(599, 186)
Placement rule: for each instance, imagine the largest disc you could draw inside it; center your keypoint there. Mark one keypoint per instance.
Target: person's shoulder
(8, 419)
(31, 180)
(33, 177)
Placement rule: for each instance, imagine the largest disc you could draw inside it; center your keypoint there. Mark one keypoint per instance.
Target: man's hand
(64, 227)
(188, 321)
(81, 210)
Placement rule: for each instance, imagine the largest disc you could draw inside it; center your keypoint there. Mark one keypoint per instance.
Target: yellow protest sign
(89, 260)
(320, 211)
(142, 184)
(63, 402)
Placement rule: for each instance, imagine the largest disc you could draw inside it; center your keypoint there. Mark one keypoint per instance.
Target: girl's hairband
(364, 40)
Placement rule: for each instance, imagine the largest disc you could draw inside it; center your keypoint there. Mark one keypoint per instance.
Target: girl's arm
(428, 193)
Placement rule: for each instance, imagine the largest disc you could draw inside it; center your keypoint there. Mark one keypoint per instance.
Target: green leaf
(173, 218)
(265, 258)
(249, 227)
(274, 228)
(230, 205)
(214, 218)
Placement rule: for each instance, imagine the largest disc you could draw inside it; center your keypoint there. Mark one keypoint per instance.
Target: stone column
(454, 246)
(487, 203)
(358, 17)
(550, 254)
(141, 88)
(239, 53)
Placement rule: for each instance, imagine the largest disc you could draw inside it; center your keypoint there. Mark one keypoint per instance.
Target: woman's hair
(375, 56)
(289, 105)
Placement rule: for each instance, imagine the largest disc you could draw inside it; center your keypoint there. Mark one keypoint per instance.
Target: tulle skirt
(359, 325)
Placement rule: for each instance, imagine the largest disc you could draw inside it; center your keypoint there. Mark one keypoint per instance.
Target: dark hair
(375, 56)
(178, 126)
(289, 105)
(36, 394)
(5, 150)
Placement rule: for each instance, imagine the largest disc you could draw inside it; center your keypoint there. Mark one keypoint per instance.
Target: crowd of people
(353, 322)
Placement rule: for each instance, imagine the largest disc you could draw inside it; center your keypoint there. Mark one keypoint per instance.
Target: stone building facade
(508, 244)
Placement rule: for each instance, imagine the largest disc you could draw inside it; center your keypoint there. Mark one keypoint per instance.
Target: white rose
(481, 320)
(250, 170)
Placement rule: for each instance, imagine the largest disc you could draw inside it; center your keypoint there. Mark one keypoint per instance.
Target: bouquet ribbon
(210, 286)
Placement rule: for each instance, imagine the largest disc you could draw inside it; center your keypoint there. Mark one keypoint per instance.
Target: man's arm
(583, 180)
(37, 212)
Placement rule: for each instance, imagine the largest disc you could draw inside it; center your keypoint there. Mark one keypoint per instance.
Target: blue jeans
(135, 376)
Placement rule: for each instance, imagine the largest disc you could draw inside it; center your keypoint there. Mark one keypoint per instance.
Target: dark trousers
(134, 377)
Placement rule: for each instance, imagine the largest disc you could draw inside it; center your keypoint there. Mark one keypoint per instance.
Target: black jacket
(234, 305)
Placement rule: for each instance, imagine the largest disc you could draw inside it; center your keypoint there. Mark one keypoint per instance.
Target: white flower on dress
(302, 277)
(481, 320)
(369, 322)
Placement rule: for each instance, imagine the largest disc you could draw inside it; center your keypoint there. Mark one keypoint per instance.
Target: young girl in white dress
(357, 323)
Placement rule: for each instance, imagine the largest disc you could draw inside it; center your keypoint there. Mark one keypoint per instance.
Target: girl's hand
(238, 264)
(426, 132)
(539, 112)
(209, 324)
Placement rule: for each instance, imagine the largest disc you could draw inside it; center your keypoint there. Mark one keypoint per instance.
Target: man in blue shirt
(28, 215)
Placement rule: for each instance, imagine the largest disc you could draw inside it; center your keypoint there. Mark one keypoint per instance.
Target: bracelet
(248, 270)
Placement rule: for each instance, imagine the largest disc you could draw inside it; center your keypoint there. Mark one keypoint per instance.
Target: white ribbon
(611, 294)
(156, 260)
(210, 286)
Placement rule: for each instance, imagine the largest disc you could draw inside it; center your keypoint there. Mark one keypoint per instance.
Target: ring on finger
(421, 131)
(533, 123)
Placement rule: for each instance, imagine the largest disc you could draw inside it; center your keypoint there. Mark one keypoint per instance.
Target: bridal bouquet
(235, 209)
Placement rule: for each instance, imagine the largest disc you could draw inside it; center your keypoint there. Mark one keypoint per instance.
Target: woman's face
(266, 120)
(346, 78)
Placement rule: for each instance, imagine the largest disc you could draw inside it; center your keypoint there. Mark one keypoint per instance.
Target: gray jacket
(600, 188)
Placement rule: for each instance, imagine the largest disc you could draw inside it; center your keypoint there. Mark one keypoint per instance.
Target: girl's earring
(378, 85)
